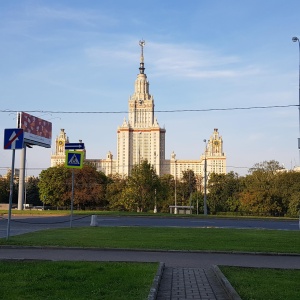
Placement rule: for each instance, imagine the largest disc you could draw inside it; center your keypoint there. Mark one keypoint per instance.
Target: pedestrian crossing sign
(74, 159)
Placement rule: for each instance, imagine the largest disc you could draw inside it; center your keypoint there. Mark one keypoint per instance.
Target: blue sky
(84, 56)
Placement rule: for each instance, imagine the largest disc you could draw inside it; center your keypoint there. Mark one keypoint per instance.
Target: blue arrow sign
(74, 146)
(13, 138)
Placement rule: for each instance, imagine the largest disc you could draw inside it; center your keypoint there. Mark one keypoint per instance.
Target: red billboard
(36, 131)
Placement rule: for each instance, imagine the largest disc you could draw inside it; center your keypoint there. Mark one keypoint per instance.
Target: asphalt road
(23, 224)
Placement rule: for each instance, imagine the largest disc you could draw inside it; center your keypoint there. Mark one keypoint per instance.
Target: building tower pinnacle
(142, 68)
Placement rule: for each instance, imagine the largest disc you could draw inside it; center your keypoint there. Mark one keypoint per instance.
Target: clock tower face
(60, 147)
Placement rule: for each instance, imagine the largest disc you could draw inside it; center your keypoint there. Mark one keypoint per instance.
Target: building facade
(141, 138)
(59, 156)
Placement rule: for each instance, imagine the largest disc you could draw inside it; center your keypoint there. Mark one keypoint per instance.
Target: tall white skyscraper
(141, 138)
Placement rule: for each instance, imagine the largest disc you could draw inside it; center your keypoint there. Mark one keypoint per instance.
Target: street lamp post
(296, 39)
(175, 208)
(155, 208)
(205, 180)
(139, 147)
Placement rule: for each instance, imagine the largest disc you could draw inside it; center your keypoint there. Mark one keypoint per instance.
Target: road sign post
(10, 193)
(72, 199)
(74, 160)
(13, 139)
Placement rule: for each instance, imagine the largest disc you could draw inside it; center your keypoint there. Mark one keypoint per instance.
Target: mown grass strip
(165, 239)
(261, 284)
(75, 280)
(61, 212)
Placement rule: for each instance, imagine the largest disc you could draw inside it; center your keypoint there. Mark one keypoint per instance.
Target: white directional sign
(74, 146)
(74, 159)
(13, 138)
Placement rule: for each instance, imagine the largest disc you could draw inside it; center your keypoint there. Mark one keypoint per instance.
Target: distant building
(59, 156)
(141, 138)
(8, 174)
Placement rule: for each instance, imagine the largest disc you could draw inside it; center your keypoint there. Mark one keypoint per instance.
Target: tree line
(266, 190)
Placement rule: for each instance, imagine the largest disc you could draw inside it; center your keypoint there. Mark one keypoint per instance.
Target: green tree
(186, 186)
(141, 188)
(198, 202)
(294, 205)
(223, 192)
(216, 196)
(166, 195)
(271, 167)
(55, 186)
(32, 191)
(261, 193)
(4, 190)
(115, 186)
(288, 187)
(89, 187)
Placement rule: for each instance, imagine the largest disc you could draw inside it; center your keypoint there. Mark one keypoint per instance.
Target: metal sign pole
(11, 192)
(72, 199)
(74, 160)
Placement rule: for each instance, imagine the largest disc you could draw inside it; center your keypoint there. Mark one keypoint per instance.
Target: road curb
(226, 284)
(156, 282)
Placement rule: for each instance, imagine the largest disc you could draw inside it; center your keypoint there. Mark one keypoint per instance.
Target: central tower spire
(140, 138)
(142, 68)
(141, 103)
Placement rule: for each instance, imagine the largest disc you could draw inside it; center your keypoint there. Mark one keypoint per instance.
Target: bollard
(94, 220)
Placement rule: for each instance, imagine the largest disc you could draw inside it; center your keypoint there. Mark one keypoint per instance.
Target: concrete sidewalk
(191, 283)
(187, 275)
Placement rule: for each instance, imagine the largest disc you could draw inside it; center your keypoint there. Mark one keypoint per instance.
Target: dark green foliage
(114, 189)
(270, 192)
(266, 191)
(32, 191)
(223, 192)
(185, 187)
(166, 195)
(55, 187)
(140, 192)
(4, 190)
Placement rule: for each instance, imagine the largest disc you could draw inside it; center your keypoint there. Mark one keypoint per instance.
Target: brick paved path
(190, 283)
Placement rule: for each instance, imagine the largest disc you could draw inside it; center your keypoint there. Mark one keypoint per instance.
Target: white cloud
(82, 17)
(175, 60)
(196, 61)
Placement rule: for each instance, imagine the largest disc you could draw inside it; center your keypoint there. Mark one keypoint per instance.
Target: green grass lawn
(213, 239)
(249, 283)
(75, 280)
(264, 284)
(60, 212)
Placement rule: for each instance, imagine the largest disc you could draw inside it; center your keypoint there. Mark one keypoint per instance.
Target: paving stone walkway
(190, 283)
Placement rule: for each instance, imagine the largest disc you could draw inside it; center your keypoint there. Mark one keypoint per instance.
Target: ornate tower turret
(58, 156)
